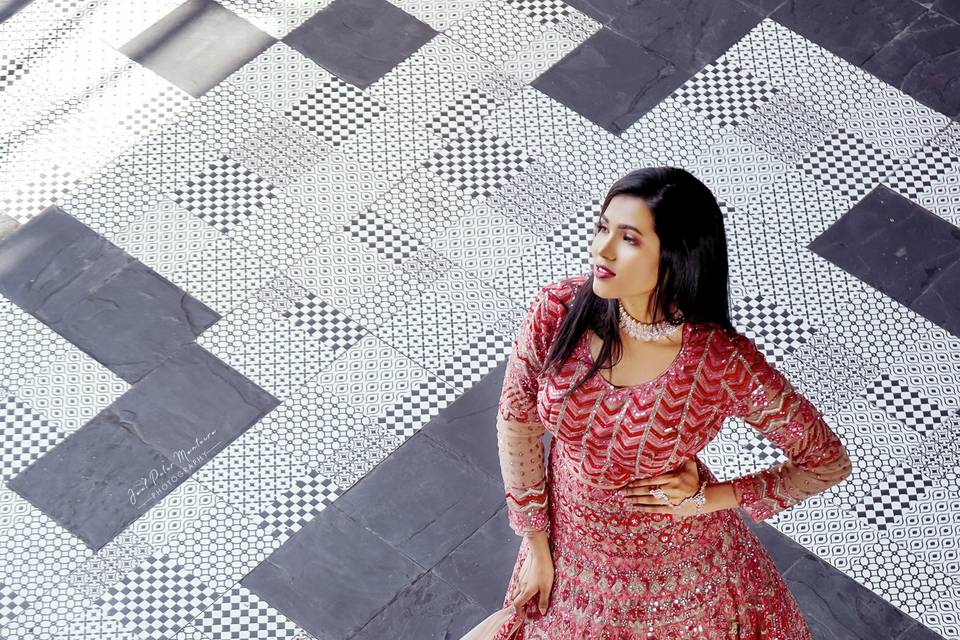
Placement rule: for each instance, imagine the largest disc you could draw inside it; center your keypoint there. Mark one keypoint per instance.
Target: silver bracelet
(699, 498)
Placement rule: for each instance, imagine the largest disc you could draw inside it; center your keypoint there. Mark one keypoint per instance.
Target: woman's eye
(602, 227)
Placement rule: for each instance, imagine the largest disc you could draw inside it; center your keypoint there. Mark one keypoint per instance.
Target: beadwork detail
(622, 573)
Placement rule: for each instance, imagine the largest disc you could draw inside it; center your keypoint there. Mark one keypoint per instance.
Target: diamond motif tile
(349, 200)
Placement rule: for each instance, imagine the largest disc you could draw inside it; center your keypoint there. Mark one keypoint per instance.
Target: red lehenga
(626, 574)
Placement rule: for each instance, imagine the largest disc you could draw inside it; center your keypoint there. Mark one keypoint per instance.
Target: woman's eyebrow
(621, 226)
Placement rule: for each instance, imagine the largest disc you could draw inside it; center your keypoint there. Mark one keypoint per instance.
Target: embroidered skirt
(624, 574)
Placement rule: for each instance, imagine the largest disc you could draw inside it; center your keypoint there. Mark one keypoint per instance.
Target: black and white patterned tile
(370, 230)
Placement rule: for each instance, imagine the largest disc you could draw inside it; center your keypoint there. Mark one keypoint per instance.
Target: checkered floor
(342, 229)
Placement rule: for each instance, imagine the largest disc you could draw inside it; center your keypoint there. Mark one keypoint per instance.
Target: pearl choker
(644, 330)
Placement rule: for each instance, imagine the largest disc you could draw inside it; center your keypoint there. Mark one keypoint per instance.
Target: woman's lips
(602, 272)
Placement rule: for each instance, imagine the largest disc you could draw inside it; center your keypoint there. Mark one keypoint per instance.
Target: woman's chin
(601, 290)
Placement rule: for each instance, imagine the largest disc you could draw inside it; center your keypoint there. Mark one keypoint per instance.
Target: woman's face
(625, 243)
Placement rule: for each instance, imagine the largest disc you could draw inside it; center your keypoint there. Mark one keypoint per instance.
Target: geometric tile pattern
(725, 94)
(785, 128)
(157, 600)
(848, 164)
(885, 505)
(356, 227)
(239, 613)
(224, 194)
(334, 103)
(478, 163)
(26, 436)
(298, 506)
(910, 406)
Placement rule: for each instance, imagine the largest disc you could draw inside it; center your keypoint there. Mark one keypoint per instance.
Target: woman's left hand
(678, 484)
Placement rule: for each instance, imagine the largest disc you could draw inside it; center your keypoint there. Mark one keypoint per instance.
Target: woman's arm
(519, 430)
(761, 395)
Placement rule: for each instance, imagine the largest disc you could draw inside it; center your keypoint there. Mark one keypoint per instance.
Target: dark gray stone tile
(924, 62)
(427, 609)
(423, 501)
(191, 406)
(837, 606)
(949, 8)
(51, 262)
(197, 45)
(611, 80)
(852, 29)
(97, 480)
(692, 33)
(782, 549)
(132, 322)
(600, 10)
(891, 243)
(113, 307)
(919, 632)
(764, 7)
(10, 7)
(359, 41)
(480, 567)
(467, 429)
(940, 303)
(332, 576)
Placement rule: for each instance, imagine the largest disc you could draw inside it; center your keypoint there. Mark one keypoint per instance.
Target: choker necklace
(645, 330)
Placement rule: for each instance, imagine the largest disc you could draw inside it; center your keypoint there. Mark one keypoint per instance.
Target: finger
(525, 595)
(543, 604)
(642, 508)
(644, 497)
(640, 503)
(518, 603)
(664, 482)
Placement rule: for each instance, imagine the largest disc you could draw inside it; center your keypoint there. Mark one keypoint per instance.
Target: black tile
(197, 45)
(97, 480)
(949, 8)
(481, 566)
(891, 243)
(132, 322)
(611, 80)
(359, 41)
(691, 34)
(467, 429)
(600, 10)
(104, 476)
(53, 260)
(940, 303)
(423, 501)
(428, 608)
(924, 62)
(9, 7)
(852, 29)
(837, 606)
(332, 576)
(919, 632)
(782, 549)
(192, 406)
(103, 301)
(764, 7)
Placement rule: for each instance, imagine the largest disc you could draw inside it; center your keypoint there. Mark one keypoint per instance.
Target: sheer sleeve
(761, 395)
(519, 430)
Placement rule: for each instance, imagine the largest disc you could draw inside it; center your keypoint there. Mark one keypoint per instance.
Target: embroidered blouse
(609, 435)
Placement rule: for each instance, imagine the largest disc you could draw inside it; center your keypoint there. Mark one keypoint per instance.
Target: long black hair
(693, 275)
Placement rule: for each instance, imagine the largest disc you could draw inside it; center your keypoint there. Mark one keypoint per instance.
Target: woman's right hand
(536, 575)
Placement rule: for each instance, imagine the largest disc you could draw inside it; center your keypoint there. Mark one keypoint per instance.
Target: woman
(632, 369)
